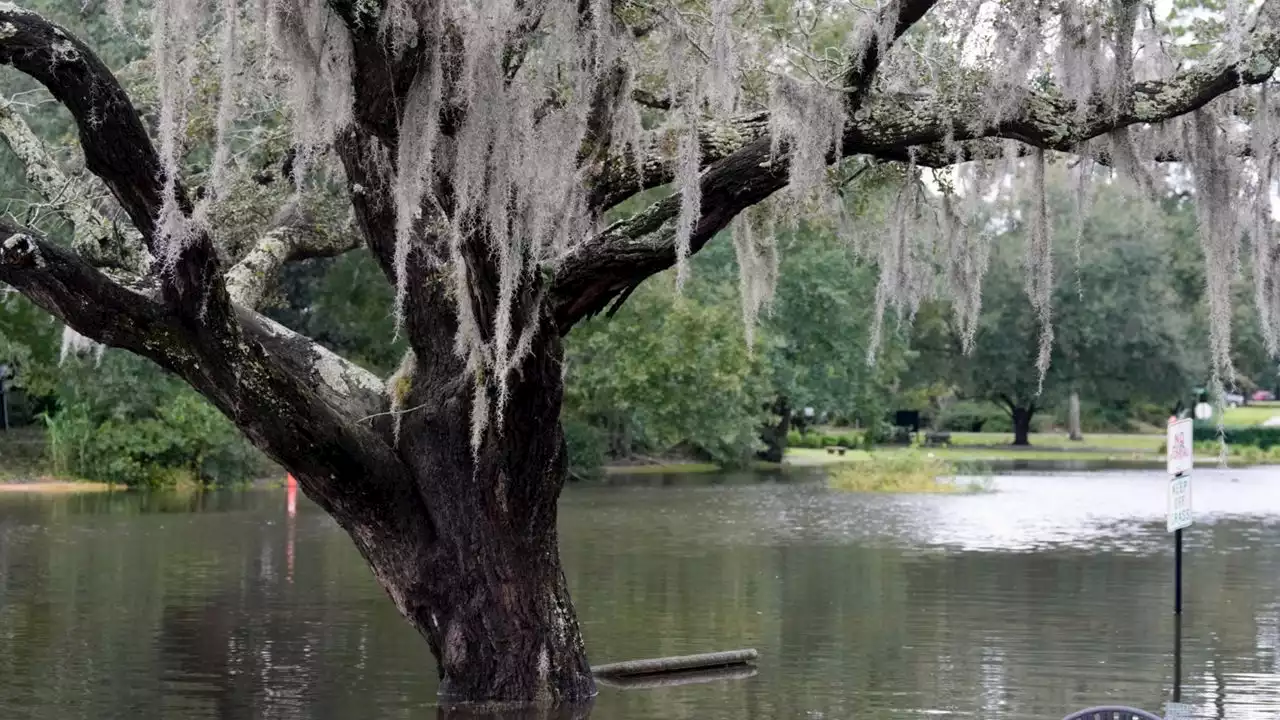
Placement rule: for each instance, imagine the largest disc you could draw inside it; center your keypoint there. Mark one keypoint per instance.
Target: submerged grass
(905, 472)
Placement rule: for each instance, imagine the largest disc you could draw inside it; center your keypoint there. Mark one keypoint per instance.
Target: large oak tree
(482, 143)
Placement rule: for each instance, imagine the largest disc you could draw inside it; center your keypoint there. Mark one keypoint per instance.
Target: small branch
(859, 76)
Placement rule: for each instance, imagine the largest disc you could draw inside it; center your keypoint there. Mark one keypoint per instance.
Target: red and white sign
(1178, 447)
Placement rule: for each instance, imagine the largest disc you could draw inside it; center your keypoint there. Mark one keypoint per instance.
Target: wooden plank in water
(657, 666)
(682, 677)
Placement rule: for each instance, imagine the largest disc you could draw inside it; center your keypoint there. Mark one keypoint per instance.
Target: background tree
(1120, 334)
(814, 330)
(479, 146)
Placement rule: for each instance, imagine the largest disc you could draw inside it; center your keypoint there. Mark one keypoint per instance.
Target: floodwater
(1052, 594)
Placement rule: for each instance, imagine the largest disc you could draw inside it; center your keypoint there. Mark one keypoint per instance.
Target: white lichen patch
(7, 30)
(330, 369)
(64, 51)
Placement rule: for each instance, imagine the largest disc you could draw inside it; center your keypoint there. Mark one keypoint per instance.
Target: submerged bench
(675, 664)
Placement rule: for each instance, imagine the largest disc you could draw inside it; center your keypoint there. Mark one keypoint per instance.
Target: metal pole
(1177, 615)
(1177, 572)
(1177, 658)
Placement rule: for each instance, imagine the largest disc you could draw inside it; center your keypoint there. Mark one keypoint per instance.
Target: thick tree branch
(118, 150)
(115, 143)
(354, 392)
(258, 384)
(258, 374)
(721, 138)
(889, 126)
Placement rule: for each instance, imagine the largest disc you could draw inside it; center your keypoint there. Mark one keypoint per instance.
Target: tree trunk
(1073, 417)
(775, 435)
(487, 589)
(1022, 425)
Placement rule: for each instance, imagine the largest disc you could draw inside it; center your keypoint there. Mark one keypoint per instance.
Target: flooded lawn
(1051, 594)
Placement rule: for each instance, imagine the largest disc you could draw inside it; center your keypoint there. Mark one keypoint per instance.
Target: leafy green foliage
(817, 440)
(817, 332)
(124, 421)
(28, 343)
(667, 373)
(972, 416)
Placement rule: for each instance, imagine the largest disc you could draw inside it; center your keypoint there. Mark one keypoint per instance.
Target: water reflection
(1050, 595)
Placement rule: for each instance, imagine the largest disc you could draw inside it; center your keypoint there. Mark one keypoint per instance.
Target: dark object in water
(680, 677)
(678, 663)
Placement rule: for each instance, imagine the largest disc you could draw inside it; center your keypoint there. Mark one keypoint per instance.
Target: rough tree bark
(464, 541)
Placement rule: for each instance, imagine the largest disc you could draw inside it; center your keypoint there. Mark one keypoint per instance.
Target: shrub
(1258, 436)
(816, 440)
(1245, 454)
(588, 449)
(122, 421)
(877, 433)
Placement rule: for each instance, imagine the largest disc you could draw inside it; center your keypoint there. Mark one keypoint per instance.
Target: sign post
(1180, 462)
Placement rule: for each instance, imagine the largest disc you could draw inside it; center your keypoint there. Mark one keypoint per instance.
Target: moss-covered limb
(250, 279)
(891, 125)
(275, 385)
(597, 272)
(720, 138)
(623, 176)
(94, 236)
(118, 150)
(350, 389)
